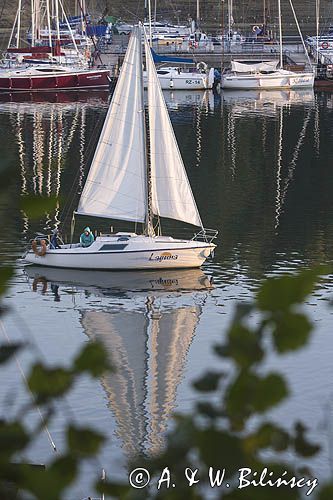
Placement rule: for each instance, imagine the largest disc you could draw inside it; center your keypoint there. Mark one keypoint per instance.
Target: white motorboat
(122, 184)
(264, 75)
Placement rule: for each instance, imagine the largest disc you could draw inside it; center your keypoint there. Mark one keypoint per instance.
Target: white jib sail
(171, 192)
(116, 183)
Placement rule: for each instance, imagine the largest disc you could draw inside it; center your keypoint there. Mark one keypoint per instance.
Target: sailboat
(122, 184)
(46, 64)
(266, 74)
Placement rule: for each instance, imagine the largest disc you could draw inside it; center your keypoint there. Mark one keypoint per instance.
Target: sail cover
(171, 193)
(252, 67)
(116, 183)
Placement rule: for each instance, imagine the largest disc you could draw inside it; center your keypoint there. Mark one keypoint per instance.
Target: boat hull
(63, 81)
(158, 255)
(250, 82)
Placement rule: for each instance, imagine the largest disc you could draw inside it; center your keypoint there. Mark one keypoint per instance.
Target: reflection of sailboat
(149, 353)
(111, 282)
(45, 133)
(148, 345)
(265, 102)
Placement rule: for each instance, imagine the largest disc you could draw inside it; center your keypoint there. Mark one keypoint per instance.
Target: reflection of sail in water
(149, 353)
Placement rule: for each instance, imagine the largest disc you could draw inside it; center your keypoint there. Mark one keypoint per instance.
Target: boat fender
(171, 83)
(42, 280)
(324, 45)
(42, 251)
(202, 67)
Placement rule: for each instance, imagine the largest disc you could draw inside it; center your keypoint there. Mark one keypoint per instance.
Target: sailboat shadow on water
(123, 184)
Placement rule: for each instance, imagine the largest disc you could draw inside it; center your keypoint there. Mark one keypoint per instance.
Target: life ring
(202, 67)
(255, 28)
(40, 279)
(42, 251)
(325, 45)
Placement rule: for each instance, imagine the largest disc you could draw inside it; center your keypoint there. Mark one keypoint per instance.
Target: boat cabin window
(123, 238)
(110, 246)
(160, 72)
(49, 70)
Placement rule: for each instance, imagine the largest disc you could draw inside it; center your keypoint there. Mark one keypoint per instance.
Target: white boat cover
(171, 192)
(241, 67)
(116, 183)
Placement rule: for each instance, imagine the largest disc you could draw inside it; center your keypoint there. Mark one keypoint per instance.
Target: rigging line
(23, 327)
(2, 327)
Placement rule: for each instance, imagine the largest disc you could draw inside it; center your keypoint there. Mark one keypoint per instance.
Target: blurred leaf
(48, 383)
(208, 383)
(208, 409)
(267, 436)
(92, 359)
(84, 442)
(13, 437)
(326, 493)
(270, 391)
(278, 294)
(36, 206)
(7, 351)
(291, 332)
(50, 483)
(244, 346)
(302, 446)
(6, 273)
(215, 445)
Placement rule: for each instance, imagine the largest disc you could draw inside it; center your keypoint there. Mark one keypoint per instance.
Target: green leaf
(302, 446)
(7, 351)
(267, 436)
(13, 438)
(244, 346)
(36, 206)
(83, 442)
(50, 483)
(208, 383)
(270, 391)
(92, 359)
(279, 294)
(291, 332)
(326, 493)
(215, 445)
(6, 273)
(48, 383)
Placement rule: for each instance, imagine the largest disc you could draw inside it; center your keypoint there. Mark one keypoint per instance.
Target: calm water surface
(261, 167)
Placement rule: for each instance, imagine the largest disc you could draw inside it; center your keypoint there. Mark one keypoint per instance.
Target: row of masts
(45, 14)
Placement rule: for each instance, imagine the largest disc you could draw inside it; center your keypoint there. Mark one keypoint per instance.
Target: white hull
(172, 79)
(280, 80)
(124, 252)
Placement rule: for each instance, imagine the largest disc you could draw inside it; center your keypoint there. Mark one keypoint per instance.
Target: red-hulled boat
(52, 77)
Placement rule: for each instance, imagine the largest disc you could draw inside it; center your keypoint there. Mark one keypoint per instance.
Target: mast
(317, 29)
(198, 13)
(18, 24)
(280, 33)
(150, 30)
(149, 230)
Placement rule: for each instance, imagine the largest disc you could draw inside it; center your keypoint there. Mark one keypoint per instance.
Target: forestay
(116, 183)
(171, 193)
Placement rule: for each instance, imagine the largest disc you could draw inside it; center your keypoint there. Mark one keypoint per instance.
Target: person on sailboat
(54, 239)
(87, 238)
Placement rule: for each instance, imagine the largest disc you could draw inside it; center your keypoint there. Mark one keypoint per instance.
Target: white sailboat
(123, 185)
(267, 74)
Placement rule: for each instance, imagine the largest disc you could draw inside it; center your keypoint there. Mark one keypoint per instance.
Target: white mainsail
(171, 193)
(116, 183)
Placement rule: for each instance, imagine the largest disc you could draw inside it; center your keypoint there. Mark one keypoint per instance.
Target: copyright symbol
(139, 478)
